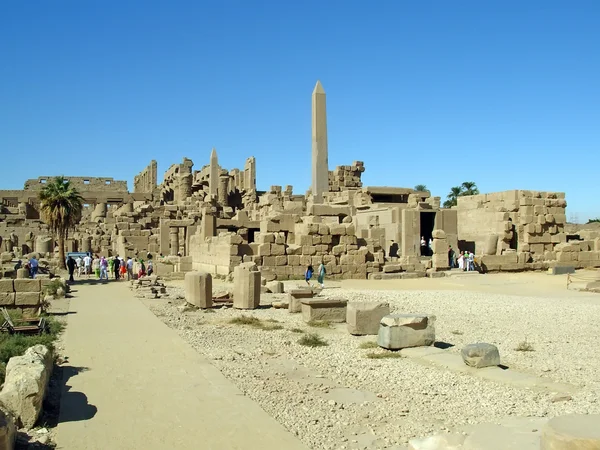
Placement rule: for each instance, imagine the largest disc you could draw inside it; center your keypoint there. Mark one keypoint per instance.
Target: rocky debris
(480, 355)
(274, 287)
(25, 384)
(334, 397)
(148, 287)
(398, 331)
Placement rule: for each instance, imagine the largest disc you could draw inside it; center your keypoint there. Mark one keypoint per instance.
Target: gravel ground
(333, 397)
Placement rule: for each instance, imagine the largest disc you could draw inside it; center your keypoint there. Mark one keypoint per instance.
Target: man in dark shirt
(117, 267)
(71, 264)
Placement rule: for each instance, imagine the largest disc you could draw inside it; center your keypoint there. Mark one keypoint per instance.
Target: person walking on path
(122, 268)
(116, 264)
(321, 275)
(451, 255)
(103, 268)
(129, 268)
(308, 274)
(71, 264)
(96, 266)
(33, 266)
(142, 271)
(87, 263)
(111, 266)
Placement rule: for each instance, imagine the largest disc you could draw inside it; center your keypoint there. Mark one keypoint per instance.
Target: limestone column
(223, 189)
(185, 186)
(174, 241)
(320, 164)
(213, 181)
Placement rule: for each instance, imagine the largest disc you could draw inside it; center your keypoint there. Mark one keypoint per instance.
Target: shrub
(319, 323)
(368, 344)
(312, 340)
(373, 355)
(16, 344)
(457, 332)
(296, 330)
(53, 287)
(525, 347)
(255, 322)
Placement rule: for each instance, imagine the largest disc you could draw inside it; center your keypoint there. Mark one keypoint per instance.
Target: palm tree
(61, 206)
(452, 198)
(469, 188)
(421, 188)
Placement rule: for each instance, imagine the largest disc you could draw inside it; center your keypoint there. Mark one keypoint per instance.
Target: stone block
(480, 355)
(337, 230)
(25, 385)
(295, 297)
(27, 298)
(572, 432)
(440, 246)
(22, 274)
(275, 287)
(246, 286)
(325, 309)
(198, 289)
(398, 331)
(7, 298)
(263, 250)
(7, 432)
(277, 249)
(7, 285)
(27, 285)
(363, 318)
(561, 270)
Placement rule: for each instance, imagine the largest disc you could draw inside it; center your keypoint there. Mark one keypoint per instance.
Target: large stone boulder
(398, 331)
(246, 286)
(25, 385)
(198, 289)
(480, 355)
(572, 432)
(363, 318)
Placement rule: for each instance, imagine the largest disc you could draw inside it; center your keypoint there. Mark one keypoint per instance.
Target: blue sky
(506, 94)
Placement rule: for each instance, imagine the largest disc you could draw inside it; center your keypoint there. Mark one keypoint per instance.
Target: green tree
(469, 188)
(597, 220)
(421, 188)
(61, 206)
(452, 197)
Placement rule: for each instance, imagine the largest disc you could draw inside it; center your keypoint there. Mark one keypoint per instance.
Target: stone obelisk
(213, 181)
(320, 164)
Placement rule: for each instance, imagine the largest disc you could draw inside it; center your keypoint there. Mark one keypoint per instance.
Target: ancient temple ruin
(211, 218)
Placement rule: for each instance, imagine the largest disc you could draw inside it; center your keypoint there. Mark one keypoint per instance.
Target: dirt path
(131, 382)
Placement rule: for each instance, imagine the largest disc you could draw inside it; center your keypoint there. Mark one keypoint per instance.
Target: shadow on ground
(75, 405)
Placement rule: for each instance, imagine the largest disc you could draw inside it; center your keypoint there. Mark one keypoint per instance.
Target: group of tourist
(32, 265)
(103, 267)
(464, 261)
(426, 247)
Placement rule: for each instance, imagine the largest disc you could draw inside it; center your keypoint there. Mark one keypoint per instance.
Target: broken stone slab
(363, 318)
(198, 289)
(275, 287)
(572, 432)
(561, 270)
(480, 355)
(324, 309)
(398, 331)
(295, 297)
(25, 385)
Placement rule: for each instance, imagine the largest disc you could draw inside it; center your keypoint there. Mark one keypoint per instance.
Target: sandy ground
(334, 397)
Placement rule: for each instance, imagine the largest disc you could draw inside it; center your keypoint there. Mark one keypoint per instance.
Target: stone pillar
(208, 225)
(86, 244)
(320, 164)
(164, 237)
(185, 186)
(44, 244)
(213, 183)
(223, 189)
(250, 174)
(411, 225)
(246, 286)
(174, 241)
(439, 260)
(198, 289)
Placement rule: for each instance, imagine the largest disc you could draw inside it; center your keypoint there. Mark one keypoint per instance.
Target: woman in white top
(461, 261)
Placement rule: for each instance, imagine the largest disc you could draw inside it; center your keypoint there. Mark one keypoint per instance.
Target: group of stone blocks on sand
(23, 294)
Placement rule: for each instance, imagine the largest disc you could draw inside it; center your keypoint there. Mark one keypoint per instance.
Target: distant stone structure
(213, 219)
